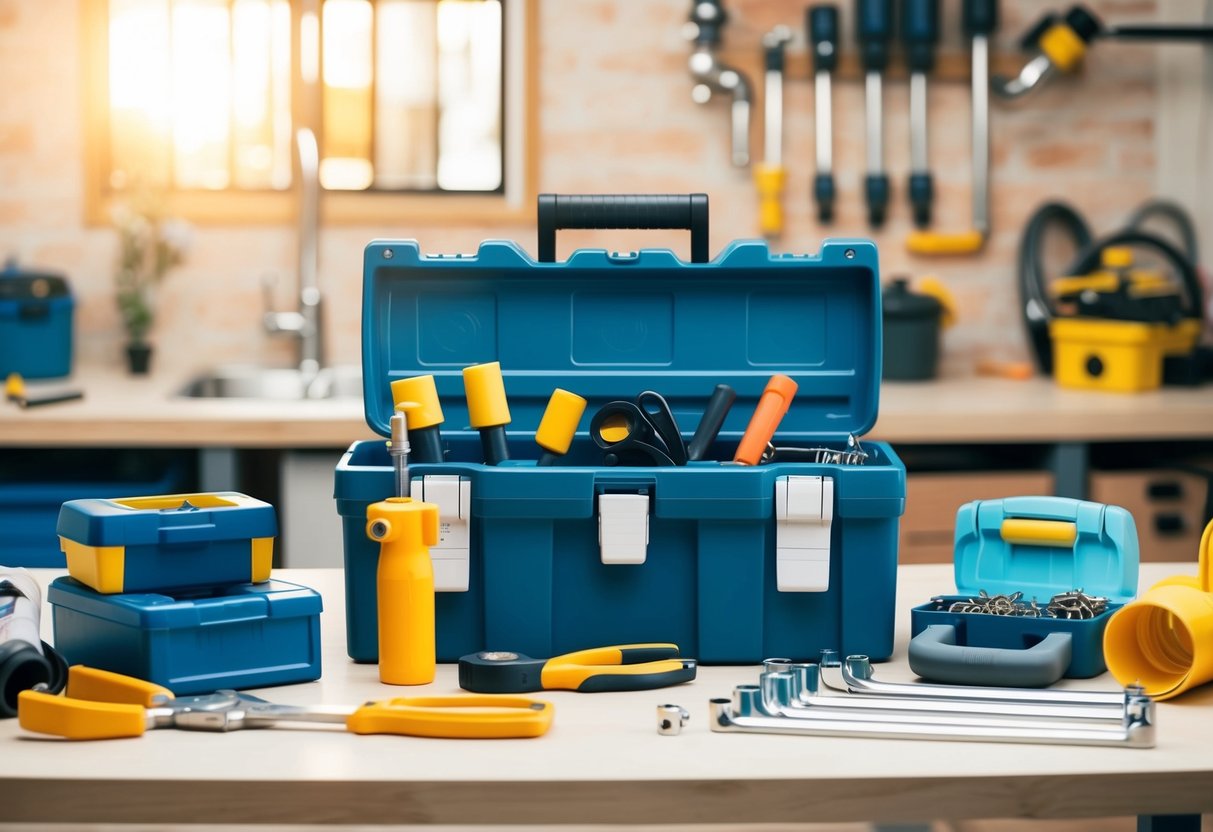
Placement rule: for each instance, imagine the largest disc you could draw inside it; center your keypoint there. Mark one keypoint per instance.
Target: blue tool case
(1009, 546)
(35, 323)
(710, 555)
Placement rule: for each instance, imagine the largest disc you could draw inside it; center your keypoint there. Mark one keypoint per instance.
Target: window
(418, 106)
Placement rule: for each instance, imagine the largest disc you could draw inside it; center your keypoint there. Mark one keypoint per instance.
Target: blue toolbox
(168, 543)
(731, 562)
(1038, 578)
(35, 323)
(241, 636)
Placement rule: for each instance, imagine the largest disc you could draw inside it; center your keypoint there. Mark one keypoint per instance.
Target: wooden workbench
(602, 762)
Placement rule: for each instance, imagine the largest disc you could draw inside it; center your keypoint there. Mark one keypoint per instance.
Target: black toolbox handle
(688, 211)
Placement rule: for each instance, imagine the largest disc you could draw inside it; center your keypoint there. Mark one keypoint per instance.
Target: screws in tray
(1066, 605)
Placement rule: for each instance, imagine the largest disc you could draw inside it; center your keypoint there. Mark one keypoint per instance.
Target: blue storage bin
(1101, 560)
(36, 482)
(607, 326)
(168, 543)
(35, 323)
(244, 636)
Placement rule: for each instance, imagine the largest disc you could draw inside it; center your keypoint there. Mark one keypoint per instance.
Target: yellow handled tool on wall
(770, 176)
(101, 705)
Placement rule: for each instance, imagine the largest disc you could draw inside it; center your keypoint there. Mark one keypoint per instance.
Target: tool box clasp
(453, 496)
(804, 516)
(623, 527)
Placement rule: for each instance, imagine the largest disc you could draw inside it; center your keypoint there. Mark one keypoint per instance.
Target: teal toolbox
(1040, 546)
(241, 636)
(525, 571)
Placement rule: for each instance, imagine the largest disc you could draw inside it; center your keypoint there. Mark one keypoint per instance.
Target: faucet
(304, 324)
(711, 75)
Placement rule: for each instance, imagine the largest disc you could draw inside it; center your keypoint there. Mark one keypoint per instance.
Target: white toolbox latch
(623, 527)
(453, 496)
(804, 513)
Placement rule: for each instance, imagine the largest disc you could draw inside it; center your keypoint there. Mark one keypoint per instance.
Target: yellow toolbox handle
(932, 243)
(1026, 532)
(458, 717)
(78, 719)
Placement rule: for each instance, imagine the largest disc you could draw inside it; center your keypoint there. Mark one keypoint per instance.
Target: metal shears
(599, 669)
(642, 432)
(102, 705)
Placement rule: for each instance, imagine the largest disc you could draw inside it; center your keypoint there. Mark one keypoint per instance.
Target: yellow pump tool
(101, 705)
(770, 176)
(559, 425)
(488, 409)
(405, 529)
(1164, 640)
(980, 18)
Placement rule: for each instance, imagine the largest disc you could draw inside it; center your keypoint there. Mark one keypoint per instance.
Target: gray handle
(934, 654)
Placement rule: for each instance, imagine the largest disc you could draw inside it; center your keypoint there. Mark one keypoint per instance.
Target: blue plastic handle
(935, 655)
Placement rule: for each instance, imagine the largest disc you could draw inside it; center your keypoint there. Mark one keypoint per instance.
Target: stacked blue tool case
(608, 326)
(175, 589)
(1101, 561)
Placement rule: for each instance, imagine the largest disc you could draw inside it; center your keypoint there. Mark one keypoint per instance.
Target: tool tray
(1019, 651)
(547, 560)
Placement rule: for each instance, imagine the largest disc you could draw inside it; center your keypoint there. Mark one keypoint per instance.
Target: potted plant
(148, 247)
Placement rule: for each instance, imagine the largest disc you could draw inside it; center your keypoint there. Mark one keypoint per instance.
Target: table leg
(1070, 462)
(218, 469)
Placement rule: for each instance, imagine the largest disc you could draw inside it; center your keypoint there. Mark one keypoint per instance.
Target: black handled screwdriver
(874, 28)
(920, 34)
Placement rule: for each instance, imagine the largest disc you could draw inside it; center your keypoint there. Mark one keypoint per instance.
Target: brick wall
(616, 116)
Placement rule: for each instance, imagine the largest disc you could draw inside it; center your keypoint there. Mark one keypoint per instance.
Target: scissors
(101, 705)
(599, 669)
(642, 432)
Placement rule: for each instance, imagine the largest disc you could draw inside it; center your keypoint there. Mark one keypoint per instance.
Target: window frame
(514, 204)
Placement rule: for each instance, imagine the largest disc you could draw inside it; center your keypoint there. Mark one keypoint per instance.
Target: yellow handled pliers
(621, 667)
(101, 705)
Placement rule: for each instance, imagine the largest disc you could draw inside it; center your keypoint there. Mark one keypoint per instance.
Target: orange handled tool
(774, 403)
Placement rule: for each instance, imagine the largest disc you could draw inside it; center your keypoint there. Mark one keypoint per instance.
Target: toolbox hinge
(804, 515)
(623, 527)
(452, 556)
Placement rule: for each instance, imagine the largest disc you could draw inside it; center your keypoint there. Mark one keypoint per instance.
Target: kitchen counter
(120, 410)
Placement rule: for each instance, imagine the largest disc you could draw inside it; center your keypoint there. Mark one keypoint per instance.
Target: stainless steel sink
(284, 384)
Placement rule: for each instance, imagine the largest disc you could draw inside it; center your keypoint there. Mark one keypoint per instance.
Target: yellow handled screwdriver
(405, 529)
(769, 177)
(101, 705)
(559, 425)
(488, 409)
(424, 417)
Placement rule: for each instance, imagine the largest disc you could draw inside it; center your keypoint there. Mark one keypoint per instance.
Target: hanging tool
(772, 407)
(920, 32)
(558, 425)
(980, 19)
(424, 417)
(642, 432)
(405, 529)
(769, 177)
(622, 667)
(874, 29)
(718, 406)
(822, 23)
(1061, 43)
(488, 409)
(708, 18)
(100, 705)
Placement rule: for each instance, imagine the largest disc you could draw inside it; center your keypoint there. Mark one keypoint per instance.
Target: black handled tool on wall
(874, 29)
(920, 34)
(822, 23)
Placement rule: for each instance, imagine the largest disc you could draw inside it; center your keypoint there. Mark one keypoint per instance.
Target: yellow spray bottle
(405, 529)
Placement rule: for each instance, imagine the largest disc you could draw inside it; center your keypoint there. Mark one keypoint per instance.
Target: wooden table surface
(120, 410)
(602, 761)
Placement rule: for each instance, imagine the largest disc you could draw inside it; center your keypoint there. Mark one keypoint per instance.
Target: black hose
(1176, 215)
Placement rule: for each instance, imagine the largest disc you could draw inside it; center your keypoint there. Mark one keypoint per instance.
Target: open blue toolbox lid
(1042, 546)
(607, 326)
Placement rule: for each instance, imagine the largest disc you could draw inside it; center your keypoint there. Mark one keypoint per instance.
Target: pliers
(101, 705)
(599, 669)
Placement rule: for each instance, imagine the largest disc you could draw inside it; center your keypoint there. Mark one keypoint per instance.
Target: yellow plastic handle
(930, 243)
(455, 717)
(769, 180)
(95, 685)
(1027, 532)
(560, 420)
(78, 719)
(484, 387)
